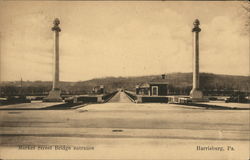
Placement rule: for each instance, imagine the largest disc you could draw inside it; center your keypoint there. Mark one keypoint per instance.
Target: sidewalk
(228, 105)
(32, 105)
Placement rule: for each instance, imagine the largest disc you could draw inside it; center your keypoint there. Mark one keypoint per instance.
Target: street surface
(120, 97)
(126, 130)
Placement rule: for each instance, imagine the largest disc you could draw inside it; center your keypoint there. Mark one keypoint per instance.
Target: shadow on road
(215, 107)
(65, 106)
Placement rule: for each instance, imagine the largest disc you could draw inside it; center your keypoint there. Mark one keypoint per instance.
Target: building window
(154, 90)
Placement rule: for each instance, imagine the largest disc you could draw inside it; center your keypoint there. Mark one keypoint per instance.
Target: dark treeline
(179, 83)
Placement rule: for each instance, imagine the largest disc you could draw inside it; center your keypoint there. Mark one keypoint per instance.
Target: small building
(143, 89)
(98, 89)
(156, 87)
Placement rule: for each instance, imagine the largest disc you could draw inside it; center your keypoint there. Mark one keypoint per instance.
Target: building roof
(158, 81)
(144, 85)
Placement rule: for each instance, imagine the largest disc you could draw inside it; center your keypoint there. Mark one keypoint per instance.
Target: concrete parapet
(99, 99)
(151, 99)
(139, 99)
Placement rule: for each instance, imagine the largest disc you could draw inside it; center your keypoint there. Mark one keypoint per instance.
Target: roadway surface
(126, 130)
(120, 97)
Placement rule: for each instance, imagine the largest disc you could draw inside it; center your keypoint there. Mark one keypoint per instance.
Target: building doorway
(154, 90)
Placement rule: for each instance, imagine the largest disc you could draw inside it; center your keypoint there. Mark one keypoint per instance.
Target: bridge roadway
(120, 97)
(125, 130)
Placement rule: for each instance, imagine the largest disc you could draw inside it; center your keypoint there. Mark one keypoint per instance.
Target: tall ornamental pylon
(55, 93)
(196, 93)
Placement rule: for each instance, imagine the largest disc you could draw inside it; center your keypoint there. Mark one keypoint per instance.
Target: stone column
(56, 30)
(195, 92)
(54, 94)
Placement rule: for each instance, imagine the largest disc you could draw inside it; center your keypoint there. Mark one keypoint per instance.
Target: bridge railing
(107, 97)
(131, 95)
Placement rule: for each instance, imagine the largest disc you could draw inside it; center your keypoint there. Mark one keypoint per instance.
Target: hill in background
(179, 82)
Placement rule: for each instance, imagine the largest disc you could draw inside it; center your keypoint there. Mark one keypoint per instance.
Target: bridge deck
(120, 97)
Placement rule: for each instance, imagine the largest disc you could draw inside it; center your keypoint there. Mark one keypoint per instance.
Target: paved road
(120, 97)
(127, 130)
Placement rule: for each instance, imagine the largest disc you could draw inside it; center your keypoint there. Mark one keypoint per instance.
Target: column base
(196, 94)
(54, 96)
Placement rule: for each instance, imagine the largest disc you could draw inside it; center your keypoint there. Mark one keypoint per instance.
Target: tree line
(178, 83)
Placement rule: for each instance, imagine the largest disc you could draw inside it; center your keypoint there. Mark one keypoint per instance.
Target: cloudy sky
(100, 39)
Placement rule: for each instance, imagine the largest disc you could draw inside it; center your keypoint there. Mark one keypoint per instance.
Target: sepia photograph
(124, 80)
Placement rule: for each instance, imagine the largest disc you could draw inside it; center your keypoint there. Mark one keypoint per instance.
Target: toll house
(156, 87)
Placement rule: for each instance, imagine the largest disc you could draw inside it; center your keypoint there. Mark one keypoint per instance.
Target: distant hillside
(181, 81)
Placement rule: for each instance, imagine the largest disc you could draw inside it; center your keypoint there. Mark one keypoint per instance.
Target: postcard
(124, 80)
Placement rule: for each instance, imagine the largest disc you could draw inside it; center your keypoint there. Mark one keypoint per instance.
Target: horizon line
(124, 77)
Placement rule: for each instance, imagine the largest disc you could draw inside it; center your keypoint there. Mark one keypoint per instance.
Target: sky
(108, 38)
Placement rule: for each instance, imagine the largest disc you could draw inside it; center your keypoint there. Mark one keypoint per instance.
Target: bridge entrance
(120, 97)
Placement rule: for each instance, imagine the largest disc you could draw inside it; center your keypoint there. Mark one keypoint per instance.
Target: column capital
(196, 26)
(56, 27)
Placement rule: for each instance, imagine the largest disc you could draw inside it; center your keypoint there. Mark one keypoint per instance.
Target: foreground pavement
(125, 130)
